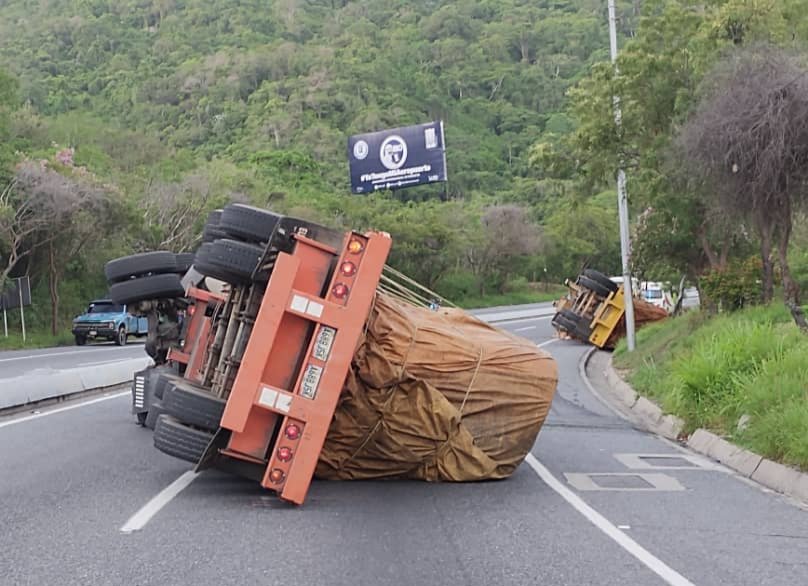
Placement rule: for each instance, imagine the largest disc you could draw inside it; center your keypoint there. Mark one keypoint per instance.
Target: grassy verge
(748, 367)
(514, 298)
(34, 339)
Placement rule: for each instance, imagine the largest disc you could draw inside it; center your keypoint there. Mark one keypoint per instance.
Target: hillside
(184, 105)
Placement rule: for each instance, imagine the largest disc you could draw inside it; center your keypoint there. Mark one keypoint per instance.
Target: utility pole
(622, 197)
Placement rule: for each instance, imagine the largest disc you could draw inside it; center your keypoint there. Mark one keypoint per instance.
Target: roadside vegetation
(742, 375)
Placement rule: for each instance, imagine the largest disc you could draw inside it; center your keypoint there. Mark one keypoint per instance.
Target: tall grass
(713, 372)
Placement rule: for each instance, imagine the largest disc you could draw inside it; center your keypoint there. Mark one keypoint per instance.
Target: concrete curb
(766, 472)
(635, 408)
(53, 384)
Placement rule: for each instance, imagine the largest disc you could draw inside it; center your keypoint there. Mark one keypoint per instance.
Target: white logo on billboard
(360, 149)
(393, 153)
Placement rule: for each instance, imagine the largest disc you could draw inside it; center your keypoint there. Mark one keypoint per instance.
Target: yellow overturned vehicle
(593, 310)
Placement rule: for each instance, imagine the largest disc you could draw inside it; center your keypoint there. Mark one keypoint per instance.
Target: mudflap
(211, 455)
(142, 390)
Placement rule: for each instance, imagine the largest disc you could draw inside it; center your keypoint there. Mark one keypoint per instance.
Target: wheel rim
(122, 337)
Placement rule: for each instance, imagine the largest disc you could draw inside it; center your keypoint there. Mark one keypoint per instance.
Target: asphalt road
(72, 479)
(19, 362)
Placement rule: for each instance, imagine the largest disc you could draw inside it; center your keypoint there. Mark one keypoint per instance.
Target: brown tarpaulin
(437, 396)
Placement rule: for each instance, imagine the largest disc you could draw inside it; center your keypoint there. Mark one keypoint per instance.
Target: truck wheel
(152, 287)
(120, 338)
(141, 418)
(192, 405)
(155, 411)
(81, 340)
(212, 231)
(580, 325)
(594, 286)
(248, 223)
(145, 263)
(184, 261)
(164, 379)
(601, 279)
(229, 260)
(179, 440)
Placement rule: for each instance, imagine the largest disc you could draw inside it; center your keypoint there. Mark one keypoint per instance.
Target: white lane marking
(653, 563)
(525, 329)
(508, 322)
(547, 343)
(137, 521)
(46, 355)
(63, 409)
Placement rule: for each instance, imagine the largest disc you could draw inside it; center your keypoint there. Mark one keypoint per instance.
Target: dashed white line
(525, 329)
(653, 563)
(137, 521)
(63, 409)
(546, 343)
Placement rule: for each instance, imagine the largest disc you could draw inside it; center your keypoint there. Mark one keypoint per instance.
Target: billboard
(16, 293)
(397, 158)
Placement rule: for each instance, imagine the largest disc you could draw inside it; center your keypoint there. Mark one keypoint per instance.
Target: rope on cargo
(471, 383)
(390, 270)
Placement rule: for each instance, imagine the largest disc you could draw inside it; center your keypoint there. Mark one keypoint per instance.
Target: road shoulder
(606, 383)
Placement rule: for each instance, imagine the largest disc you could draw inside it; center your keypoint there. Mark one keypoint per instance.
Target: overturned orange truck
(289, 351)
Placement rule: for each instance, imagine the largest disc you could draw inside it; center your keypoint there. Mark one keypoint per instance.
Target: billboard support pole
(22, 313)
(5, 321)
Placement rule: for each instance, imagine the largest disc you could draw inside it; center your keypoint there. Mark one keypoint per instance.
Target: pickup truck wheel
(193, 405)
(601, 279)
(176, 439)
(158, 262)
(81, 340)
(152, 287)
(229, 260)
(594, 286)
(120, 338)
(155, 411)
(248, 223)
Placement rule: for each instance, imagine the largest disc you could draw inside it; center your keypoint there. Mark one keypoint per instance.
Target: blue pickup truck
(108, 320)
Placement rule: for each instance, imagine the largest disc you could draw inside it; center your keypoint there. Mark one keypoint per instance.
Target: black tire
(81, 340)
(228, 260)
(141, 418)
(120, 337)
(184, 261)
(594, 286)
(193, 405)
(563, 323)
(248, 223)
(152, 287)
(580, 325)
(213, 233)
(164, 380)
(155, 411)
(157, 263)
(601, 279)
(179, 440)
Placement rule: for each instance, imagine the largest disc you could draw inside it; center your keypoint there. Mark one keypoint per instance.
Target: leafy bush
(733, 287)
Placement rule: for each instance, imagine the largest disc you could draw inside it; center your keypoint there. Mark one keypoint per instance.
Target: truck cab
(105, 319)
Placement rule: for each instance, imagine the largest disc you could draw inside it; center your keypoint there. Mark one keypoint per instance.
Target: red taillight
(355, 246)
(284, 454)
(340, 290)
(348, 269)
(277, 476)
(292, 431)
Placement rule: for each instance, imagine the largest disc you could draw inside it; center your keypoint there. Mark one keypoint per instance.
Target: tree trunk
(53, 286)
(765, 228)
(790, 286)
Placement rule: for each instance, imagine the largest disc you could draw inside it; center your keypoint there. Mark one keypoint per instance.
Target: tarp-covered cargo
(437, 396)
